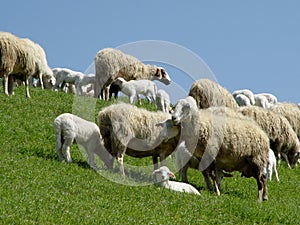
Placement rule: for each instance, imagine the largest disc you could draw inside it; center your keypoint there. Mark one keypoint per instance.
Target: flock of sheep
(211, 130)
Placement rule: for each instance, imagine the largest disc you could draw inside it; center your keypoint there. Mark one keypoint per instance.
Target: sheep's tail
(58, 138)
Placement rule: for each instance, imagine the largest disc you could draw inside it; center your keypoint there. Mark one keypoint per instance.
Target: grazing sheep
(291, 112)
(134, 131)
(283, 139)
(208, 93)
(88, 79)
(247, 93)
(69, 128)
(262, 101)
(161, 178)
(242, 100)
(230, 144)
(134, 88)
(162, 101)
(66, 76)
(112, 63)
(20, 59)
(272, 166)
(272, 99)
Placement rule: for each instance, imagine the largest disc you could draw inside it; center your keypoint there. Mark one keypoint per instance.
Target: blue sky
(246, 44)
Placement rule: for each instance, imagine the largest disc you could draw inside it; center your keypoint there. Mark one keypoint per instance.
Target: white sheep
(66, 76)
(247, 93)
(242, 100)
(161, 178)
(86, 80)
(112, 63)
(272, 99)
(226, 143)
(69, 128)
(134, 88)
(20, 59)
(272, 166)
(262, 101)
(127, 129)
(163, 100)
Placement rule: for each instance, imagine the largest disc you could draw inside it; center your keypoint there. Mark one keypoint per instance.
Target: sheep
(208, 93)
(272, 166)
(229, 144)
(291, 112)
(88, 79)
(135, 131)
(64, 75)
(242, 100)
(134, 88)
(20, 59)
(246, 92)
(69, 128)
(161, 178)
(112, 63)
(262, 101)
(162, 101)
(283, 139)
(272, 99)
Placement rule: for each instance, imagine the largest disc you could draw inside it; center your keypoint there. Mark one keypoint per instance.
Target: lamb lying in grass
(69, 128)
(161, 178)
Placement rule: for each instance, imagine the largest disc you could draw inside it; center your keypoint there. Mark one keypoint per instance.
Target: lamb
(272, 99)
(283, 139)
(88, 79)
(227, 144)
(262, 101)
(112, 63)
(69, 128)
(134, 88)
(20, 59)
(134, 131)
(208, 93)
(246, 92)
(272, 166)
(242, 100)
(162, 101)
(161, 178)
(64, 75)
(291, 112)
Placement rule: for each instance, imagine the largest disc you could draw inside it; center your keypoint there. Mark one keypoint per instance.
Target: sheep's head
(162, 174)
(169, 129)
(183, 108)
(119, 81)
(162, 76)
(293, 158)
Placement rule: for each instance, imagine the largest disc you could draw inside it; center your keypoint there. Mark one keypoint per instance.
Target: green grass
(35, 188)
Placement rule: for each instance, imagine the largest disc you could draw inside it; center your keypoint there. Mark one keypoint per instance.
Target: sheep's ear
(171, 175)
(158, 73)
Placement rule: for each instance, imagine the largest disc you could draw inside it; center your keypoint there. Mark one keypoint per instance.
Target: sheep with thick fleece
(272, 166)
(283, 139)
(231, 144)
(161, 178)
(163, 100)
(112, 63)
(246, 92)
(291, 112)
(242, 100)
(20, 59)
(127, 129)
(69, 128)
(66, 76)
(134, 88)
(208, 93)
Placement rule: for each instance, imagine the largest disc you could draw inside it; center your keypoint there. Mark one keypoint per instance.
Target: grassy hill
(35, 188)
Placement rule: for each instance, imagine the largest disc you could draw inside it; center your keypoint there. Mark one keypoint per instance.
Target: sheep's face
(162, 76)
(181, 111)
(169, 129)
(162, 174)
(293, 158)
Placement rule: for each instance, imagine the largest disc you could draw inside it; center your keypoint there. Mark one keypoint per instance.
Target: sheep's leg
(286, 159)
(66, 149)
(276, 173)
(120, 156)
(5, 84)
(27, 88)
(11, 85)
(205, 174)
(262, 186)
(131, 99)
(155, 162)
(107, 93)
(41, 80)
(183, 173)
(59, 143)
